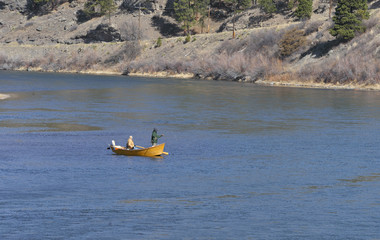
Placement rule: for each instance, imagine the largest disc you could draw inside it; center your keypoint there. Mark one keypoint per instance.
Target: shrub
(231, 46)
(312, 27)
(130, 31)
(371, 22)
(96, 8)
(267, 6)
(159, 42)
(291, 41)
(264, 42)
(3, 59)
(41, 7)
(291, 4)
(187, 38)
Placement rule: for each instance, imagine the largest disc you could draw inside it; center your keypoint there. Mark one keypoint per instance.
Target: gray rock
(15, 5)
(144, 6)
(102, 33)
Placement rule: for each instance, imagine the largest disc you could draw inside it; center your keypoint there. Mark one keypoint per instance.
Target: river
(245, 161)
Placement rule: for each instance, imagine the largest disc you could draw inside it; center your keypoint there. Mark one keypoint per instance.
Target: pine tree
(239, 5)
(184, 13)
(244, 4)
(201, 11)
(108, 7)
(348, 19)
(304, 9)
(96, 8)
(267, 6)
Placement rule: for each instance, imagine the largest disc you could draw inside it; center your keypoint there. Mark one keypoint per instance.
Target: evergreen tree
(95, 8)
(267, 6)
(348, 19)
(108, 7)
(244, 4)
(304, 9)
(201, 11)
(239, 5)
(184, 13)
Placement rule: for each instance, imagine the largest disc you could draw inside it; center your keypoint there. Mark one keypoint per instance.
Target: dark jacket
(155, 137)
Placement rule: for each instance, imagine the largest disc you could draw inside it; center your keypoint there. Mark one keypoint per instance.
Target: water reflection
(359, 179)
(49, 127)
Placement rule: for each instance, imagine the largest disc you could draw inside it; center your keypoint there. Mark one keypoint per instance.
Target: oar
(165, 153)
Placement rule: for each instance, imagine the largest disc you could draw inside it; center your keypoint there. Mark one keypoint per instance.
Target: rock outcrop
(102, 33)
(14, 5)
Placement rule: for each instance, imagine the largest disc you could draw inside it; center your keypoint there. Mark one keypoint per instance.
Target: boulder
(14, 5)
(153, 6)
(102, 33)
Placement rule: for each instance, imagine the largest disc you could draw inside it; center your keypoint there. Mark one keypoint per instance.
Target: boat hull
(145, 152)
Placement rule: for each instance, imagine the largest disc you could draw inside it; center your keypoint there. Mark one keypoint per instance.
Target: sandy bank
(163, 75)
(311, 84)
(90, 72)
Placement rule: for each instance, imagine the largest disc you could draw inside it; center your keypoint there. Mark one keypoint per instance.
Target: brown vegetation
(292, 40)
(304, 52)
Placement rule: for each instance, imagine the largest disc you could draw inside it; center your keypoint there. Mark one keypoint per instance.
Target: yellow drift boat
(157, 150)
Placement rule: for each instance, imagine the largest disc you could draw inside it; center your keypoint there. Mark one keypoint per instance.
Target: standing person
(155, 137)
(130, 143)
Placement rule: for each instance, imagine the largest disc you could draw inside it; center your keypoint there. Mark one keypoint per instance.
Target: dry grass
(255, 56)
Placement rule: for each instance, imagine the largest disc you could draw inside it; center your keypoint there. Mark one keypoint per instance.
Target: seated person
(130, 143)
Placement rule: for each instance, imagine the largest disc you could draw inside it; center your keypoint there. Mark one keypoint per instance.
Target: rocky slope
(57, 41)
(64, 24)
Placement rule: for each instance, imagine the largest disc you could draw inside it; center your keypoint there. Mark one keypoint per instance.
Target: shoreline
(314, 85)
(266, 82)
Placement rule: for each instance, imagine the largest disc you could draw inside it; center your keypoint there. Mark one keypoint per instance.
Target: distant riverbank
(254, 56)
(264, 82)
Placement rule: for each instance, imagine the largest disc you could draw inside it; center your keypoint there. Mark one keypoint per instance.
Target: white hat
(130, 137)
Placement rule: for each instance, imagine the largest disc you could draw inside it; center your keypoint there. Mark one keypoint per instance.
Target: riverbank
(271, 82)
(295, 84)
(254, 56)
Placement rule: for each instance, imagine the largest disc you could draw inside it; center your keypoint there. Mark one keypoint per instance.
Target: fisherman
(130, 143)
(155, 137)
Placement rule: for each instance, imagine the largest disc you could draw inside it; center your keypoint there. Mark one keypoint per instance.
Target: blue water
(245, 162)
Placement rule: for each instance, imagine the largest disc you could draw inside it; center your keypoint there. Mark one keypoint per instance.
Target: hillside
(64, 24)
(57, 41)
